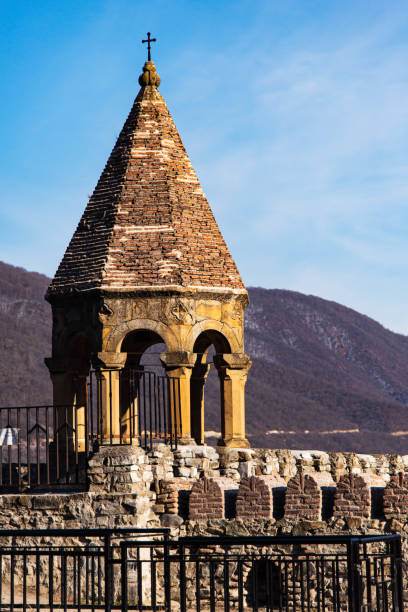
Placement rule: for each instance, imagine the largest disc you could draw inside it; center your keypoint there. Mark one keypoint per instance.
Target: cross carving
(148, 41)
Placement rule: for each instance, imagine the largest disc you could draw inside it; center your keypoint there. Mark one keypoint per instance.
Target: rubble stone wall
(195, 485)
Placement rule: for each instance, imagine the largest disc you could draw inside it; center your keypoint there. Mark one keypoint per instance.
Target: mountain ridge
(323, 376)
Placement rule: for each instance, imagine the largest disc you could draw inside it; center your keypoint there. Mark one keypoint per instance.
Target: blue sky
(294, 113)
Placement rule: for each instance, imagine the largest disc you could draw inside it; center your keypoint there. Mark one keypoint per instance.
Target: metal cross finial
(148, 41)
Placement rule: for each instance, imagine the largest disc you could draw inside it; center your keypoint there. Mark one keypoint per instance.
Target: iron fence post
(353, 576)
(123, 572)
(183, 586)
(108, 584)
(167, 583)
(396, 569)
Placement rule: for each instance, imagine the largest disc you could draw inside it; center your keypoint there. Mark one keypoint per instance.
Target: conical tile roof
(148, 222)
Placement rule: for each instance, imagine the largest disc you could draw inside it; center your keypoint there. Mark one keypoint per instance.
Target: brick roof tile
(148, 222)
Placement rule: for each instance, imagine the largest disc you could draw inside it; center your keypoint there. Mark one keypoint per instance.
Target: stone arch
(207, 338)
(117, 336)
(212, 337)
(211, 325)
(136, 342)
(138, 383)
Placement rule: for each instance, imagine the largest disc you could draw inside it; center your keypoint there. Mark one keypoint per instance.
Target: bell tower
(147, 264)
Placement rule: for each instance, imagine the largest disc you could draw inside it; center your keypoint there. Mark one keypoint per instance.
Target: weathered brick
(148, 221)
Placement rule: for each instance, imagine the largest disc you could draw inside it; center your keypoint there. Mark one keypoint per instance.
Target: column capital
(58, 366)
(55, 366)
(232, 361)
(178, 359)
(110, 360)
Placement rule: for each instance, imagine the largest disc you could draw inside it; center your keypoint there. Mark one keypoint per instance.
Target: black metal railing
(48, 446)
(134, 569)
(134, 406)
(42, 446)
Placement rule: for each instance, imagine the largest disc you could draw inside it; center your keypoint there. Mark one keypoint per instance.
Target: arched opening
(205, 387)
(143, 348)
(143, 387)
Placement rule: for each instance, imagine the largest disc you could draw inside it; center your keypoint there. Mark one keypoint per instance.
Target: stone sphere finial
(149, 75)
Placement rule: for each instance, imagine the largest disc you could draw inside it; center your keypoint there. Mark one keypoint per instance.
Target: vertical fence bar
(47, 445)
(108, 582)
(397, 563)
(28, 447)
(121, 374)
(110, 406)
(86, 432)
(66, 444)
(179, 412)
(156, 409)
(170, 409)
(240, 586)
(37, 579)
(124, 576)
(12, 571)
(151, 405)
(37, 439)
(19, 482)
(226, 584)
(146, 410)
(353, 558)
(153, 585)
(167, 574)
(10, 465)
(164, 408)
(183, 586)
(139, 412)
(51, 581)
(24, 580)
(75, 433)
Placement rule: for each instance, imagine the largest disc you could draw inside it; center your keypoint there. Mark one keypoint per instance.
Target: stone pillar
(69, 399)
(79, 412)
(233, 370)
(179, 365)
(198, 377)
(108, 366)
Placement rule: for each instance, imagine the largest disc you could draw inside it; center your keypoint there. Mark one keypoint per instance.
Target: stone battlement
(200, 485)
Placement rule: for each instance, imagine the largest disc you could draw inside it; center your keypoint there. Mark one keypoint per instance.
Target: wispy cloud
(297, 125)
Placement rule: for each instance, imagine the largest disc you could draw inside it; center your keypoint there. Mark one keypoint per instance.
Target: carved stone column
(179, 365)
(233, 370)
(69, 400)
(198, 377)
(108, 366)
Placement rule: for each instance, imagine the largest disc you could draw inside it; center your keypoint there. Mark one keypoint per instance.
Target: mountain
(323, 375)
(25, 337)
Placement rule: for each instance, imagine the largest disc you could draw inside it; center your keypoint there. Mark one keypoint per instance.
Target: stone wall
(198, 484)
(198, 490)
